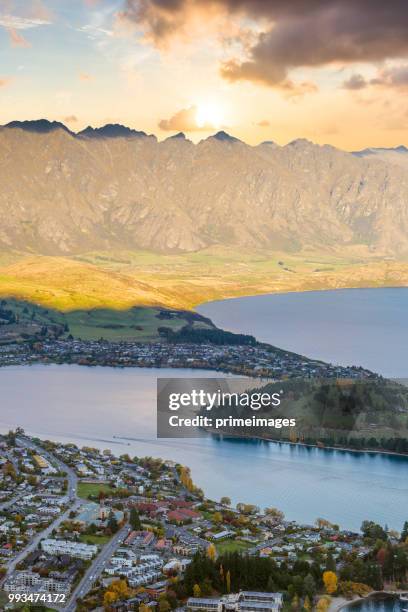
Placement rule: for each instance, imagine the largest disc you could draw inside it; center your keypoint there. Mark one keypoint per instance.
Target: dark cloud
(397, 76)
(298, 33)
(184, 120)
(355, 82)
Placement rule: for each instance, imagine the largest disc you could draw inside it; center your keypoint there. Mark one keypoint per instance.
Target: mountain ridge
(64, 194)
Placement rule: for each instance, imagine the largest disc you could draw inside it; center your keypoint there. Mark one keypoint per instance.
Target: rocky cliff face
(63, 193)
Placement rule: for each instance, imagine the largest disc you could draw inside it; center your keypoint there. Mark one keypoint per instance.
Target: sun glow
(209, 114)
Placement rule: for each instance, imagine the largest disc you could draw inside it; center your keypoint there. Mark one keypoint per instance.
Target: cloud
(17, 40)
(184, 120)
(85, 77)
(355, 82)
(14, 24)
(94, 32)
(395, 76)
(263, 123)
(289, 35)
(70, 119)
(4, 81)
(391, 77)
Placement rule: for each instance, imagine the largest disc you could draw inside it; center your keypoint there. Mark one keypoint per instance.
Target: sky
(332, 71)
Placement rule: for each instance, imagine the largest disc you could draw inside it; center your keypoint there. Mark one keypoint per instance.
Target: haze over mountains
(118, 188)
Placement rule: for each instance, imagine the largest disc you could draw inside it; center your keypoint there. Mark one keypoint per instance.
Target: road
(98, 564)
(71, 476)
(11, 565)
(75, 503)
(186, 536)
(265, 544)
(96, 569)
(12, 501)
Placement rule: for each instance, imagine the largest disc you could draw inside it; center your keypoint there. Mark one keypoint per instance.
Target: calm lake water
(115, 408)
(377, 604)
(367, 327)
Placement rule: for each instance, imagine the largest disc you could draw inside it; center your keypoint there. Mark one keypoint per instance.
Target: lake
(115, 408)
(378, 603)
(365, 327)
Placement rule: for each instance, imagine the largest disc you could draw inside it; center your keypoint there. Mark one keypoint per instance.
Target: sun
(209, 114)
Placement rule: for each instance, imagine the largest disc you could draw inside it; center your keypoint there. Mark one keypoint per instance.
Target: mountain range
(116, 188)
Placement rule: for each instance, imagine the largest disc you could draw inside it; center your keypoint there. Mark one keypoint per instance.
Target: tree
(196, 590)
(225, 501)
(134, 519)
(275, 513)
(112, 523)
(323, 604)
(309, 585)
(330, 563)
(212, 552)
(373, 531)
(330, 582)
(228, 581)
(217, 517)
(164, 605)
(306, 604)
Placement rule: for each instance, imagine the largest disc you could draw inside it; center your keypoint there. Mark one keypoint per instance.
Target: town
(82, 529)
(258, 360)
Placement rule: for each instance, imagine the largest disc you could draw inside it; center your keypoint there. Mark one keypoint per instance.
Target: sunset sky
(333, 71)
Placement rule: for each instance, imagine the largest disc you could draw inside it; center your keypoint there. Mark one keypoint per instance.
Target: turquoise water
(115, 408)
(367, 327)
(377, 604)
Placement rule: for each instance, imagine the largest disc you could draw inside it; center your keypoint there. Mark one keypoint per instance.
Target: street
(96, 568)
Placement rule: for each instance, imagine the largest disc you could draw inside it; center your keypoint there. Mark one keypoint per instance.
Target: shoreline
(303, 444)
(290, 292)
(340, 603)
(218, 433)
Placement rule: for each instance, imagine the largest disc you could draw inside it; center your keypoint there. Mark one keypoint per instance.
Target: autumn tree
(330, 582)
(164, 605)
(228, 581)
(323, 604)
(212, 552)
(196, 590)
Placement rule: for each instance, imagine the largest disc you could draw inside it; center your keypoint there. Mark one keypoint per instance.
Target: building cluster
(138, 521)
(244, 601)
(32, 495)
(260, 360)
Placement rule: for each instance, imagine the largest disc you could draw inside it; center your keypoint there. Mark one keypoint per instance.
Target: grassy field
(85, 489)
(99, 540)
(138, 323)
(228, 546)
(99, 292)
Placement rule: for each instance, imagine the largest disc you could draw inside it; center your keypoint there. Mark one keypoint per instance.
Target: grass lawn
(85, 489)
(228, 546)
(99, 540)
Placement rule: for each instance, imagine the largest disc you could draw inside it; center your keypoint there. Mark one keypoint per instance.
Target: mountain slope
(64, 194)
